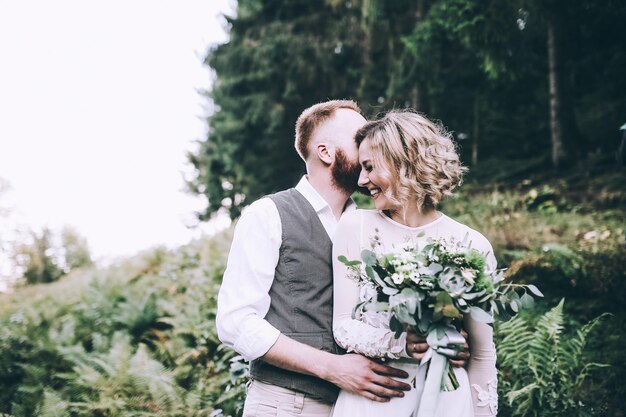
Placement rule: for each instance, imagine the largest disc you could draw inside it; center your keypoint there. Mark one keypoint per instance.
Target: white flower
(397, 278)
(406, 256)
(415, 277)
(407, 268)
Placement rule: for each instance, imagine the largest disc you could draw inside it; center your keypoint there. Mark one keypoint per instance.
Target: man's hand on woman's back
(362, 376)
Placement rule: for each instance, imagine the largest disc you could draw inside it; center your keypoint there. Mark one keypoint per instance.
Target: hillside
(138, 338)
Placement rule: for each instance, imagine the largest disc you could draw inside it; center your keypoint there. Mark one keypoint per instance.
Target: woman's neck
(411, 216)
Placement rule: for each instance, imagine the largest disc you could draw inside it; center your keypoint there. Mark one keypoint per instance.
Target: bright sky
(98, 106)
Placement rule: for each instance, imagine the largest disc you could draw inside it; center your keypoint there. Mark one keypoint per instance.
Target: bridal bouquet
(430, 288)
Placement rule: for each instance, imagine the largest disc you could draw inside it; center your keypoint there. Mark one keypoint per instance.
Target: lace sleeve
(482, 368)
(369, 334)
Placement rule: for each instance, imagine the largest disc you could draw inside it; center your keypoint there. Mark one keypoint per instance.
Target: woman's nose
(363, 178)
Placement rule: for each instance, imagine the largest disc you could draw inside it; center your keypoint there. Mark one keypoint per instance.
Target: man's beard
(345, 174)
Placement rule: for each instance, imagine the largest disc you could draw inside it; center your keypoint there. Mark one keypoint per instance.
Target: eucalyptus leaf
(402, 313)
(534, 290)
(527, 300)
(473, 295)
(348, 263)
(407, 297)
(374, 276)
(441, 332)
(368, 257)
(396, 326)
(390, 291)
(479, 314)
(494, 307)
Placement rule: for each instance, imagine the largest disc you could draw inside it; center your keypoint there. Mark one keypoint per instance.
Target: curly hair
(416, 155)
(314, 116)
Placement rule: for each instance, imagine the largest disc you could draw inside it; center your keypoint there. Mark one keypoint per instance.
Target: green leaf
(396, 326)
(390, 291)
(481, 315)
(368, 257)
(527, 301)
(374, 276)
(534, 290)
(348, 263)
(403, 315)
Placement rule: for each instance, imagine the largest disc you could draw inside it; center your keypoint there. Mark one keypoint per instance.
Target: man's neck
(336, 198)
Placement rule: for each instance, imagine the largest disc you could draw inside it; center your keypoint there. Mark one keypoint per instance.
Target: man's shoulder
(283, 195)
(261, 207)
(268, 200)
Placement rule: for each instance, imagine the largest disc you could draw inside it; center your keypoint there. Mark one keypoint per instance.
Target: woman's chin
(380, 203)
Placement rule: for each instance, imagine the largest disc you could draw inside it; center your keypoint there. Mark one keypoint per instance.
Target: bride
(408, 164)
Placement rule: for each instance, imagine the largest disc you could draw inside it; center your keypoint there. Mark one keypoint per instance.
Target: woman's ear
(324, 153)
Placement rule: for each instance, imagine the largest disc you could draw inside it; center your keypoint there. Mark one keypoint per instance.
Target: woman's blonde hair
(416, 156)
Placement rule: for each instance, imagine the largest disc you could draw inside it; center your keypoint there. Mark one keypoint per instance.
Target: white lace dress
(369, 334)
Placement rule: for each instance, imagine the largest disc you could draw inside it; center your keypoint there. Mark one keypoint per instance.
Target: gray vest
(301, 294)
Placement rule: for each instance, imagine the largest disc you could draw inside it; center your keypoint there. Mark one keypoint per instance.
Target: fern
(543, 369)
(135, 339)
(53, 406)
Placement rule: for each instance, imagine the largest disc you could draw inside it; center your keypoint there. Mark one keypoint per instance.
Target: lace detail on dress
(359, 337)
(488, 397)
(369, 333)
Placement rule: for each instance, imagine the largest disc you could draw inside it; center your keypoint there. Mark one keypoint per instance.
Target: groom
(275, 302)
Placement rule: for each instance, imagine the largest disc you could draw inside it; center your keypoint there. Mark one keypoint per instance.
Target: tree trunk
(418, 92)
(565, 137)
(556, 131)
(475, 130)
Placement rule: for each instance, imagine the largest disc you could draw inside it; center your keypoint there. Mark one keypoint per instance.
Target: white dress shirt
(243, 300)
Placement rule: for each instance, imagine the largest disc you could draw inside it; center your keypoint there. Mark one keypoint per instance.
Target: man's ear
(324, 153)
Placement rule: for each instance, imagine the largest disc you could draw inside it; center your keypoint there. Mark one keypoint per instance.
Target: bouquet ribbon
(450, 344)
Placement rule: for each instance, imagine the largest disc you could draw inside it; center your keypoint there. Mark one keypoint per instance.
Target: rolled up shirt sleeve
(243, 300)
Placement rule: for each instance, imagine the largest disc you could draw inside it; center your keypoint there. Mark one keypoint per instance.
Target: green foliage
(544, 372)
(39, 265)
(278, 56)
(480, 66)
(43, 257)
(136, 338)
(75, 250)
